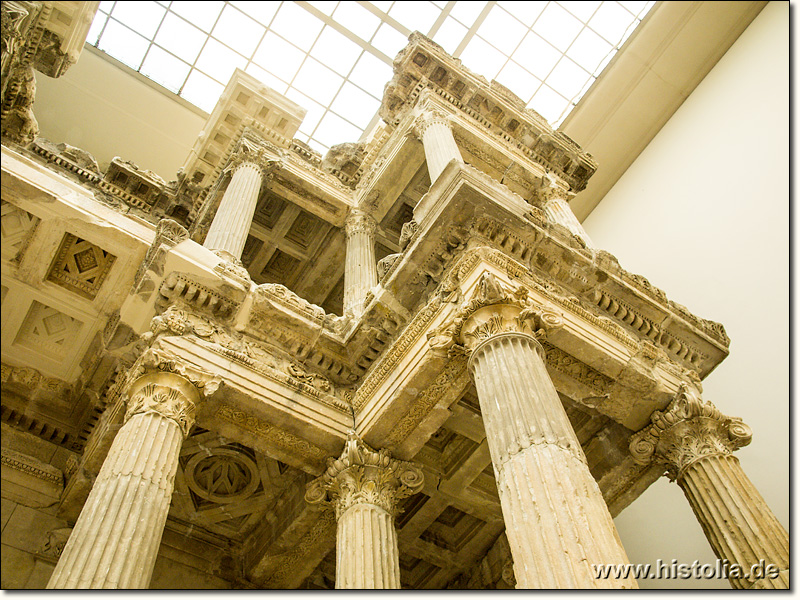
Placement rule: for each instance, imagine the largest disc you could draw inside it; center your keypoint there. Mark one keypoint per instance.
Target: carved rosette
(362, 475)
(359, 221)
(687, 431)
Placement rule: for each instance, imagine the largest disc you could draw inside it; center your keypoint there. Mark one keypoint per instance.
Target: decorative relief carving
(363, 476)
(163, 400)
(222, 475)
(54, 543)
(80, 266)
(18, 227)
(429, 118)
(687, 431)
(158, 359)
(31, 466)
(408, 233)
(270, 433)
(450, 382)
(48, 331)
(359, 221)
(169, 233)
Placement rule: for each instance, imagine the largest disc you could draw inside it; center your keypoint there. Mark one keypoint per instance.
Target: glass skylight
(334, 58)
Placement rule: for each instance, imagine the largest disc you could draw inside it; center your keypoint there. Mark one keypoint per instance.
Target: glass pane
(314, 114)
(467, 12)
(267, 78)
(97, 27)
(549, 104)
(384, 6)
(589, 50)
(389, 41)
(557, 26)
(450, 35)
(502, 30)
(219, 61)
(202, 14)
(536, 55)
(371, 74)
(336, 51)
(181, 38)
(162, 67)
(417, 15)
(568, 78)
(334, 130)
(583, 10)
(263, 12)
(519, 81)
(317, 81)
(273, 47)
(202, 91)
(325, 6)
(611, 21)
(142, 17)
(238, 31)
(357, 19)
(296, 25)
(123, 44)
(482, 58)
(527, 12)
(354, 105)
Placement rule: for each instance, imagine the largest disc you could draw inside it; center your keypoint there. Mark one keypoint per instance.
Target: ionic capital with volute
(491, 311)
(362, 475)
(689, 430)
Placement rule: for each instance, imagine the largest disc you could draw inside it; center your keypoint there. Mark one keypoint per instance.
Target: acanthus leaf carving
(362, 475)
(689, 430)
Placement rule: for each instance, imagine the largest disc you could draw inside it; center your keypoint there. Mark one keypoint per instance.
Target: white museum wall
(703, 213)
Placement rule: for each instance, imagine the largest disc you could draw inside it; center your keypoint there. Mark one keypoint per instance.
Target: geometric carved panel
(48, 331)
(269, 209)
(80, 266)
(280, 268)
(17, 227)
(304, 229)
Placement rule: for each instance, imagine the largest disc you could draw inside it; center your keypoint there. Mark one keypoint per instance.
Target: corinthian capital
(359, 221)
(362, 475)
(687, 431)
(166, 394)
(493, 310)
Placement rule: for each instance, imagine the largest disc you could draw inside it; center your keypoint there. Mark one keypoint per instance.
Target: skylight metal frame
(312, 133)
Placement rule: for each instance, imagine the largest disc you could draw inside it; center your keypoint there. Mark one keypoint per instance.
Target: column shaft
(440, 146)
(559, 211)
(234, 216)
(116, 538)
(366, 549)
(361, 269)
(557, 522)
(735, 517)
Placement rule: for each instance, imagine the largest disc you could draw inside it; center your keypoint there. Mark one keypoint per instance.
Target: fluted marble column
(557, 209)
(364, 487)
(696, 442)
(231, 224)
(440, 146)
(116, 538)
(360, 268)
(557, 522)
